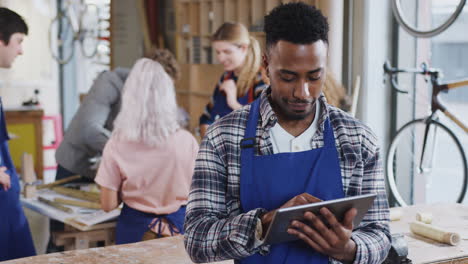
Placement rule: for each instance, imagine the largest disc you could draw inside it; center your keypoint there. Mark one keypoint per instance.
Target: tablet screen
(277, 232)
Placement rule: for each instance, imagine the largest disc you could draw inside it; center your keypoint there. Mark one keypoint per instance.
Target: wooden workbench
(162, 251)
(452, 217)
(76, 234)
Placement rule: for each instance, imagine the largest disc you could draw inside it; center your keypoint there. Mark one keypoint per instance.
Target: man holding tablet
(288, 148)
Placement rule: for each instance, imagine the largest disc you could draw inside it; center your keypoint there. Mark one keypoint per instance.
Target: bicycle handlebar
(393, 72)
(424, 70)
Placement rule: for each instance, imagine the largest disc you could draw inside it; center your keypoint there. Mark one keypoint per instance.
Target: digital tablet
(277, 232)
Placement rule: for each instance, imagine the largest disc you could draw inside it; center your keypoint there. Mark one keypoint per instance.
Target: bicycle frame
(426, 155)
(437, 105)
(437, 87)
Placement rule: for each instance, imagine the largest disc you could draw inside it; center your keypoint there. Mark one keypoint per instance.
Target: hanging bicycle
(426, 162)
(75, 21)
(433, 27)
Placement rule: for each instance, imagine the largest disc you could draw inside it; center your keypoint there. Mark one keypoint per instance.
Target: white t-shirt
(283, 142)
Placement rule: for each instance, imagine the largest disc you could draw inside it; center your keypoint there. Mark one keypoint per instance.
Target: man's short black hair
(297, 23)
(11, 23)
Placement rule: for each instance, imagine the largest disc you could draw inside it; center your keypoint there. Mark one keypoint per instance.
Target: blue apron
(132, 224)
(15, 237)
(269, 181)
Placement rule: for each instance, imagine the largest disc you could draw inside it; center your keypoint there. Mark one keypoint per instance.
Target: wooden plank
(218, 15)
(55, 204)
(204, 17)
(88, 196)
(230, 11)
(257, 12)
(270, 4)
(243, 15)
(70, 222)
(84, 204)
(164, 250)
(59, 182)
(194, 12)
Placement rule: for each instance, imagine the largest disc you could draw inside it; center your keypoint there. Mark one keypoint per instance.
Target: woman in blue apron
(243, 79)
(264, 185)
(15, 236)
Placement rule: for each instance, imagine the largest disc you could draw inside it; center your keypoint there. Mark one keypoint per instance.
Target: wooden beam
(88, 196)
(59, 182)
(55, 204)
(84, 204)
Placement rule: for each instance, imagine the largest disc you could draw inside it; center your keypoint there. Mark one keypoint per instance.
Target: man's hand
(229, 87)
(333, 240)
(4, 179)
(300, 199)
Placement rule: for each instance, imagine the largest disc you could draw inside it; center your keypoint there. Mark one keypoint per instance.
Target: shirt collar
(269, 118)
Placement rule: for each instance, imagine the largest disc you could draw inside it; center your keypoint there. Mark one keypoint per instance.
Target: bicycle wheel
(89, 30)
(425, 33)
(61, 39)
(436, 172)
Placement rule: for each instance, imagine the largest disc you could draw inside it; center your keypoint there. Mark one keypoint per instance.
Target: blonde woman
(148, 161)
(243, 78)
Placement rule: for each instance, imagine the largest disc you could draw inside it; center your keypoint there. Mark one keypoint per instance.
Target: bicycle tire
(55, 48)
(397, 12)
(399, 190)
(88, 34)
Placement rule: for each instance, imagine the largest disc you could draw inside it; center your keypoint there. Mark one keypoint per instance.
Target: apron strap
(251, 127)
(247, 144)
(328, 136)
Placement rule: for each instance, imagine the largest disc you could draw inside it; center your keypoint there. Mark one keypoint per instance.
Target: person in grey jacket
(92, 124)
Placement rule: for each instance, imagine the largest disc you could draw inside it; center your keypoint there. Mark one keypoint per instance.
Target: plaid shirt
(215, 227)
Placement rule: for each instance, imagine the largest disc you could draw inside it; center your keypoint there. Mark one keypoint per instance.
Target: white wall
(35, 69)
(372, 43)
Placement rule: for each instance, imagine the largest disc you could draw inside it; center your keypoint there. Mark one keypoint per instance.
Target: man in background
(92, 124)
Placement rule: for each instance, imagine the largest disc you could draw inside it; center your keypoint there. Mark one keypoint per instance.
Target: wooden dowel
(59, 182)
(435, 233)
(83, 195)
(55, 205)
(84, 204)
(424, 217)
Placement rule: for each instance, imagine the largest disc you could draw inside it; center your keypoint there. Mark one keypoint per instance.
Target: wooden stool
(73, 238)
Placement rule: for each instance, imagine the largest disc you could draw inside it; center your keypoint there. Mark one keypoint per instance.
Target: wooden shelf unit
(196, 20)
